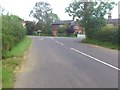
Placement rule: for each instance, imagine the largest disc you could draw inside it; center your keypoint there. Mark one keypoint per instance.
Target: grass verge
(19, 50)
(100, 43)
(12, 62)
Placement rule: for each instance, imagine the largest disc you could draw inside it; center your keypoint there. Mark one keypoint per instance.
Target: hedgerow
(106, 34)
(12, 31)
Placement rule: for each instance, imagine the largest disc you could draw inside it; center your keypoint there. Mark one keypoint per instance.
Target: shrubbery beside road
(12, 31)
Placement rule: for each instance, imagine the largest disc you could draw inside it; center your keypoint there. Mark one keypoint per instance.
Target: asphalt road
(67, 63)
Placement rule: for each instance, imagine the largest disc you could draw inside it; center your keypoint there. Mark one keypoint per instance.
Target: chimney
(109, 16)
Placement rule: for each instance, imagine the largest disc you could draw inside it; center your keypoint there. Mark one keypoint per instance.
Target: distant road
(67, 63)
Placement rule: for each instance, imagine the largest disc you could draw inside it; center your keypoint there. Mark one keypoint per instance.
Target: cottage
(55, 26)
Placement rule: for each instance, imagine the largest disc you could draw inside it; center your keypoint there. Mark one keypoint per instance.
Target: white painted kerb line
(96, 59)
(59, 43)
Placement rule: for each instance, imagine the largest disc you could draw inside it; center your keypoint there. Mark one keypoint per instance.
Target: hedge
(12, 31)
(106, 34)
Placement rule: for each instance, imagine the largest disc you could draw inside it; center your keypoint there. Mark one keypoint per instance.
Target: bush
(107, 34)
(12, 31)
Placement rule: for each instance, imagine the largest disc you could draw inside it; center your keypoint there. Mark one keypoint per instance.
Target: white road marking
(59, 43)
(41, 38)
(96, 59)
(51, 38)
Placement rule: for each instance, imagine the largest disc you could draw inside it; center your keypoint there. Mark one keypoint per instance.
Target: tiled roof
(61, 22)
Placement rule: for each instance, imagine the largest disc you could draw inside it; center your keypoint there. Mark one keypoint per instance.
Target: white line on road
(59, 43)
(41, 38)
(51, 38)
(96, 59)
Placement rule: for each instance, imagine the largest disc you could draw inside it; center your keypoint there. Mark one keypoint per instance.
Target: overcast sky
(22, 8)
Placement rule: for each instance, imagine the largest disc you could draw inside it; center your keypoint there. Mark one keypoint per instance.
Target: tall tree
(53, 17)
(40, 10)
(90, 13)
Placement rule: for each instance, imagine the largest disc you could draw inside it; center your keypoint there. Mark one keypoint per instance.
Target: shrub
(12, 31)
(107, 34)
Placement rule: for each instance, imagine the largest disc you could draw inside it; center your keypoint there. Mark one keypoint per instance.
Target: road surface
(54, 62)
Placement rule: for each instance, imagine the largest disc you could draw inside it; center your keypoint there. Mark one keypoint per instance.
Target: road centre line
(95, 59)
(59, 43)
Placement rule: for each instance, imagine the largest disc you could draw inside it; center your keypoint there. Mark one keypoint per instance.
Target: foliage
(106, 37)
(107, 34)
(8, 68)
(70, 30)
(101, 43)
(53, 17)
(12, 64)
(30, 26)
(63, 28)
(42, 11)
(18, 50)
(47, 24)
(39, 25)
(91, 14)
(6, 77)
(66, 35)
(67, 29)
(47, 28)
(12, 31)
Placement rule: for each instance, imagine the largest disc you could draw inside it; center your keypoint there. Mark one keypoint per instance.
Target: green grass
(11, 61)
(0, 74)
(8, 68)
(101, 43)
(17, 51)
(7, 78)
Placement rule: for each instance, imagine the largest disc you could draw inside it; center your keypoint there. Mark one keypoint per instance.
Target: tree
(53, 17)
(30, 27)
(91, 14)
(40, 10)
(63, 28)
(39, 25)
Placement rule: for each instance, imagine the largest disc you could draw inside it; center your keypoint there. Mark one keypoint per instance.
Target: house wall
(55, 30)
(78, 28)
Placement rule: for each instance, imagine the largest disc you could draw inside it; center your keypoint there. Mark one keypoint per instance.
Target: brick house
(55, 26)
(78, 28)
(55, 29)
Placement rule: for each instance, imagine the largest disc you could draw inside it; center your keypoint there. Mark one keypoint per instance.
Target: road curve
(51, 63)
